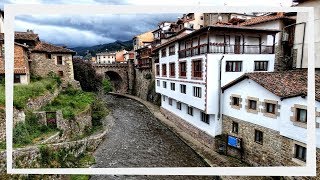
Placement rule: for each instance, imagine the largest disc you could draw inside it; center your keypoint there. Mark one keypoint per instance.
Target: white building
(189, 70)
(301, 31)
(275, 105)
(106, 58)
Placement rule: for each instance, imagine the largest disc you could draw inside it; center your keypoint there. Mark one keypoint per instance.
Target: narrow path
(138, 139)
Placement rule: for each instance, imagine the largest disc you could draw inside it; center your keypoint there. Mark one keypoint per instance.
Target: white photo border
(12, 10)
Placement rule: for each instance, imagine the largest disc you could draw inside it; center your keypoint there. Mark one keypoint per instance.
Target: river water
(138, 139)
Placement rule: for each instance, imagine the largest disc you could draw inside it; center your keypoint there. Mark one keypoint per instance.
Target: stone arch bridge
(120, 75)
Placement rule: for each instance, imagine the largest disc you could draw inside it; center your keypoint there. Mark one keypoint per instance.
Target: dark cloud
(109, 27)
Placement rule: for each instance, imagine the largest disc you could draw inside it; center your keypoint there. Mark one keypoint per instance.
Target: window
(164, 52)
(164, 70)
(183, 69)
(164, 84)
(157, 70)
(158, 82)
(235, 127)
(179, 105)
(173, 86)
(270, 108)
(190, 111)
(172, 69)
(300, 152)
(201, 17)
(59, 59)
(233, 66)
(204, 117)
(17, 78)
(197, 91)
(164, 98)
(170, 101)
(253, 104)
(172, 50)
(197, 68)
(301, 115)
(235, 101)
(183, 88)
(258, 136)
(49, 56)
(261, 65)
(60, 73)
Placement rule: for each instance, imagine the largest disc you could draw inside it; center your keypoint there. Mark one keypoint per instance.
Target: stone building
(21, 62)
(46, 58)
(28, 38)
(266, 112)
(1, 21)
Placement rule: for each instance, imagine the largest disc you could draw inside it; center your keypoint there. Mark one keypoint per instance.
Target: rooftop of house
(46, 47)
(221, 28)
(20, 61)
(263, 19)
(29, 36)
(106, 54)
(283, 84)
(147, 36)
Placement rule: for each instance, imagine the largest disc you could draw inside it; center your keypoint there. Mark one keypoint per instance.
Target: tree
(86, 75)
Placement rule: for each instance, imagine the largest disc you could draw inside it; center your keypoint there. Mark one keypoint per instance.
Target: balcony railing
(226, 49)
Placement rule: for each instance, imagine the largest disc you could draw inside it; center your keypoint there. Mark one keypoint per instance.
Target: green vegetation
(2, 145)
(80, 177)
(64, 158)
(30, 131)
(22, 93)
(71, 102)
(107, 86)
(99, 111)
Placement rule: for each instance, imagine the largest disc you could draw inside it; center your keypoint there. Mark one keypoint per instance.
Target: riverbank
(211, 157)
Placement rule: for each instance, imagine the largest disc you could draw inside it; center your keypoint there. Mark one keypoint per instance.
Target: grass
(71, 102)
(22, 93)
(79, 177)
(30, 132)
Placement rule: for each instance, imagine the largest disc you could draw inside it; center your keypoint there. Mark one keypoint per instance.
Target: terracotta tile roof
(283, 84)
(262, 19)
(26, 36)
(46, 47)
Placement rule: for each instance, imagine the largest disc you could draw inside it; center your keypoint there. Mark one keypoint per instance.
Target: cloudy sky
(99, 29)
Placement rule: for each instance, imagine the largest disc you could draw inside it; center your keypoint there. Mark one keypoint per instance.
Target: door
(237, 45)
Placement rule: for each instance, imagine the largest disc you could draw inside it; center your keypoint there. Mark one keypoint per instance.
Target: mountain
(115, 46)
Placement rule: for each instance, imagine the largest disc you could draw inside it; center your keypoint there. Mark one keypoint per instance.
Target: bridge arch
(115, 79)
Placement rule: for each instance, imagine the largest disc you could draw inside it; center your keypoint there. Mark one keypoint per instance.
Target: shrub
(98, 113)
(86, 75)
(107, 87)
(20, 134)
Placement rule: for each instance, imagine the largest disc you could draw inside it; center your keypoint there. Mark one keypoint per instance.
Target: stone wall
(29, 157)
(188, 128)
(143, 78)
(18, 116)
(38, 102)
(41, 66)
(265, 154)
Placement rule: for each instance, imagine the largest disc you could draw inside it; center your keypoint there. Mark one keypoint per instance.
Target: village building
(284, 42)
(120, 56)
(300, 49)
(141, 41)
(193, 68)
(128, 56)
(106, 58)
(266, 112)
(28, 38)
(46, 58)
(21, 63)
